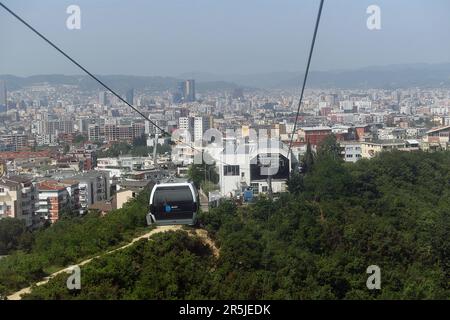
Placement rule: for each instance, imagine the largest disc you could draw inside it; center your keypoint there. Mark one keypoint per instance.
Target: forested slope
(35, 255)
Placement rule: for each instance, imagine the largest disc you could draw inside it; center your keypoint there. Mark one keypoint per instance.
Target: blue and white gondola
(173, 204)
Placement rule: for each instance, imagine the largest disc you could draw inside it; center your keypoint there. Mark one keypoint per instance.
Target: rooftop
(438, 129)
(318, 128)
(51, 185)
(386, 142)
(24, 154)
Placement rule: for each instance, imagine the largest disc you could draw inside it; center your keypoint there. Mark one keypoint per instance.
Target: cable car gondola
(173, 204)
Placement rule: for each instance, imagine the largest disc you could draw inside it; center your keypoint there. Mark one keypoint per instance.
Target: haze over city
(173, 37)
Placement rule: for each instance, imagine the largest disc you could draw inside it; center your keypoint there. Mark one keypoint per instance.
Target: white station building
(249, 166)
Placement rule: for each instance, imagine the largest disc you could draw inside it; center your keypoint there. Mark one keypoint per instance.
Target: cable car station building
(251, 167)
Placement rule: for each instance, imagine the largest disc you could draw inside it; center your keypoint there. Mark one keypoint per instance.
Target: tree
(295, 183)
(80, 139)
(199, 173)
(329, 148)
(140, 141)
(308, 159)
(116, 150)
(141, 151)
(13, 235)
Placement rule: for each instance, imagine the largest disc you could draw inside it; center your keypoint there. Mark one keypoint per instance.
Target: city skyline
(391, 76)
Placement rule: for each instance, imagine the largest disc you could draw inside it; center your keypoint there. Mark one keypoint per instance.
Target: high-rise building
(201, 124)
(185, 92)
(129, 132)
(94, 132)
(129, 97)
(138, 129)
(196, 126)
(157, 121)
(83, 125)
(3, 97)
(103, 98)
(178, 95)
(185, 123)
(55, 127)
(189, 90)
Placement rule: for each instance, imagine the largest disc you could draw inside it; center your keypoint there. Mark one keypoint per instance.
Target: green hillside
(314, 243)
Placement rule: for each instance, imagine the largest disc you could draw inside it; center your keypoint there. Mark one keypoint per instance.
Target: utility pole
(269, 182)
(270, 187)
(204, 164)
(155, 144)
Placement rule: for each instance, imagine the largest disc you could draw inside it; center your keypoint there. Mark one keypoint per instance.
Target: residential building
(94, 133)
(54, 198)
(351, 151)
(94, 186)
(14, 142)
(370, 148)
(201, 125)
(114, 132)
(313, 135)
(18, 198)
(437, 138)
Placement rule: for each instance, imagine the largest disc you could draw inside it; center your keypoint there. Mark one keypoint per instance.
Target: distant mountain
(261, 80)
(119, 83)
(383, 77)
(391, 76)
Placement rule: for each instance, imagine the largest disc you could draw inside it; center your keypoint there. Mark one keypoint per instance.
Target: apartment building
(313, 135)
(370, 148)
(351, 151)
(18, 198)
(14, 142)
(95, 133)
(201, 125)
(94, 186)
(53, 199)
(116, 132)
(186, 123)
(55, 127)
(437, 138)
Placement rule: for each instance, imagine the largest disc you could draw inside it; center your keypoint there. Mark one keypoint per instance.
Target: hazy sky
(170, 37)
